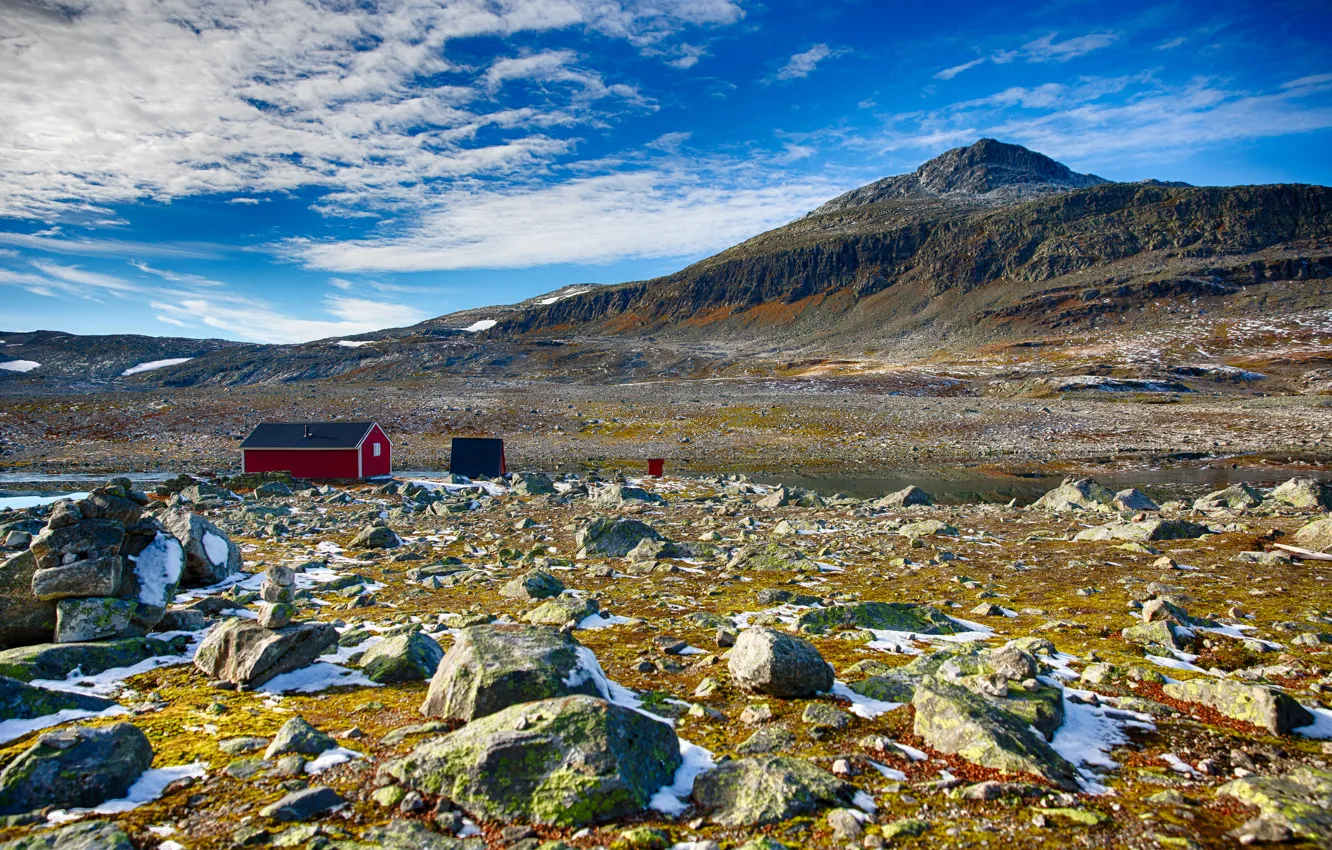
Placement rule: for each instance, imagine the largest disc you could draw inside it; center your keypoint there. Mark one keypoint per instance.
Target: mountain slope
(986, 245)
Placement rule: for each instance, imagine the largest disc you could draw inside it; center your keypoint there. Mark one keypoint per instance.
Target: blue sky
(294, 170)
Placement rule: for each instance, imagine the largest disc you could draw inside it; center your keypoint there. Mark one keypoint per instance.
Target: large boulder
(298, 736)
(532, 484)
(75, 767)
(210, 556)
(764, 790)
(376, 537)
(492, 667)
(152, 575)
(771, 557)
(953, 718)
(59, 660)
(1078, 494)
(907, 497)
(23, 619)
(1145, 531)
(1317, 535)
(87, 577)
(570, 761)
(410, 657)
(623, 494)
(1296, 800)
(537, 584)
(81, 620)
(769, 662)
(892, 616)
(1307, 494)
(85, 539)
(19, 701)
(1135, 500)
(245, 653)
(612, 537)
(1235, 497)
(1262, 706)
(562, 610)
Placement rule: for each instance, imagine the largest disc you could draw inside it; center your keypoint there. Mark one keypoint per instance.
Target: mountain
(983, 246)
(986, 173)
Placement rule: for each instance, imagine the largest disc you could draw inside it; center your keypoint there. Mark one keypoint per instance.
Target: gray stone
(952, 718)
(84, 835)
(75, 767)
(89, 577)
(1297, 800)
(58, 660)
(276, 615)
(570, 761)
(894, 616)
(1234, 497)
(532, 484)
(410, 657)
(245, 653)
(79, 620)
(23, 620)
(304, 805)
(561, 610)
(537, 584)
(1307, 494)
(87, 539)
(376, 537)
(1256, 704)
(623, 494)
(1133, 499)
(298, 736)
(768, 789)
(907, 497)
(1317, 535)
(19, 701)
(1145, 531)
(210, 555)
(769, 662)
(492, 667)
(612, 537)
(1077, 494)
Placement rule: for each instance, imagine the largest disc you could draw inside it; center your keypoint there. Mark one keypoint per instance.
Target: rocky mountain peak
(988, 172)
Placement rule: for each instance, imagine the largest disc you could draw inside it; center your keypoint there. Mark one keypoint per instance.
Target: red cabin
(318, 449)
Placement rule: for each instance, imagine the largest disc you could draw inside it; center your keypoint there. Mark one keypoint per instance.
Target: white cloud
(650, 212)
(1046, 49)
(1148, 121)
(949, 73)
(122, 100)
(105, 247)
(257, 321)
(803, 64)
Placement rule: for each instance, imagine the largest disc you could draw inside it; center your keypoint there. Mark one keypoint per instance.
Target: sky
(290, 170)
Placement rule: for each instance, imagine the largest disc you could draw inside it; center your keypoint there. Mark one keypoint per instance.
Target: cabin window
(376, 449)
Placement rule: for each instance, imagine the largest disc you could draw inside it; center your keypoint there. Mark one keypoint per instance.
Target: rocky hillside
(984, 245)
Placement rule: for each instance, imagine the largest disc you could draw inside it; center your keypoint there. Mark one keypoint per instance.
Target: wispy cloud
(801, 65)
(949, 73)
(1047, 49)
(358, 100)
(638, 213)
(258, 321)
(1146, 118)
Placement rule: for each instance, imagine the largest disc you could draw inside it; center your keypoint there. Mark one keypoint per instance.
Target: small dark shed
(477, 456)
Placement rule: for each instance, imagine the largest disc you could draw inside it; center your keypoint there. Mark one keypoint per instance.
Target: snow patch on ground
(110, 682)
(861, 705)
(12, 730)
(331, 757)
(154, 364)
(19, 365)
(148, 787)
(354, 343)
(600, 621)
(674, 798)
(1089, 732)
(317, 677)
(483, 325)
(1321, 728)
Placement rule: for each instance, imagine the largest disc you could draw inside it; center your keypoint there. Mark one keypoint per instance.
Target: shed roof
(307, 435)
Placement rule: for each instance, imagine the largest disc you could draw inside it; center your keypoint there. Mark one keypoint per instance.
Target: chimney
(308, 435)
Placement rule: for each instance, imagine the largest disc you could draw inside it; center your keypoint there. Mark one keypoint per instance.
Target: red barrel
(656, 467)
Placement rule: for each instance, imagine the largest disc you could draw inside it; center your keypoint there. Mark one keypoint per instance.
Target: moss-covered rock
(24, 702)
(953, 719)
(75, 766)
(410, 657)
(1256, 704)
(893, 616)
(86, 835)
(561, 610)
(492, 667)
(768, 789)
(569, 761)
(58, 660)
(1297, 800)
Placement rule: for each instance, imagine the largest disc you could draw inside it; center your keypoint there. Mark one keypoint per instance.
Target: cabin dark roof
(307, 435)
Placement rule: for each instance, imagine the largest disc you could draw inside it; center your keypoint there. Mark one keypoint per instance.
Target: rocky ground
(858, 425)
(561, 661)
